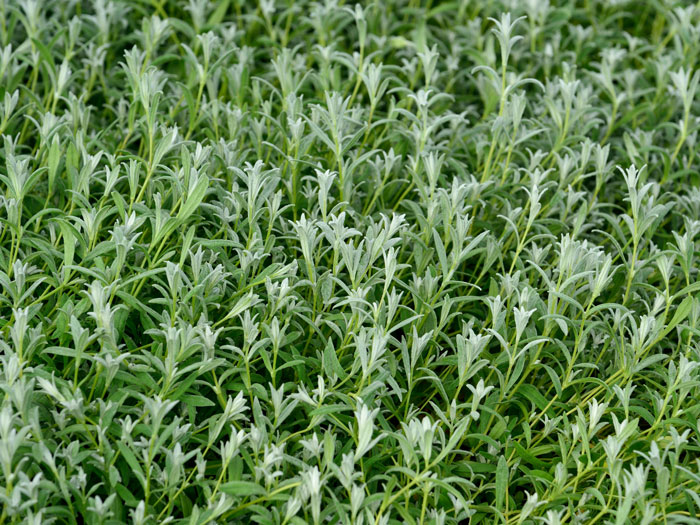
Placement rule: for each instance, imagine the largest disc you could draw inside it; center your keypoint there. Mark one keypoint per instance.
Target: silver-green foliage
(313, 262)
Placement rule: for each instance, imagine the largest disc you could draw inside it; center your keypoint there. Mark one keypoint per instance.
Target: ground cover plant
(321, 262)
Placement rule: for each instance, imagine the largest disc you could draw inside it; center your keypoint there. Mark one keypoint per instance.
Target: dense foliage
(306, 262)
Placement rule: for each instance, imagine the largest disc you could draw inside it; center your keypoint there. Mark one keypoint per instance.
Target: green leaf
(133, 462)
(194, 198)
(186, 244)
(534, 395)
(197, 401)
(218, 15)
(331, 363)
(682, 312)
(242, 489)
(53, 161)
(69, 240)
(501, 482)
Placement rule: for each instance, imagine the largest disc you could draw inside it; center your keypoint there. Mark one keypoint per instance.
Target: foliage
(398, 262)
